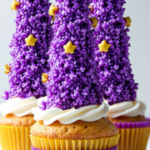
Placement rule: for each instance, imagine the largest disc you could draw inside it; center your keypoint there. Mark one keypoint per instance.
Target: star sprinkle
(91, 8)
(128, 21)
(94, 22)
(44, 77)
(30, 40)
(53, 18)
(104, 47)
(69, 48)
(7, 69)
(52, 10)
(14, 5)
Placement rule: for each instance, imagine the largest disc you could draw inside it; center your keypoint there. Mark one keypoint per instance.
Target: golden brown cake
(17, 121)
(138, 118)
(78, 130)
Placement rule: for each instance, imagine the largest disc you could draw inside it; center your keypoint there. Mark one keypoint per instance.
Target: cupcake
(73, 115)
(29, 60)
(131, 123)
(97, 135)
(16, 122)
(83, 128)
(115, 73)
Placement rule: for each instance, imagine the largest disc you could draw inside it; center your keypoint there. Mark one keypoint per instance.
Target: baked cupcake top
(12, 120)
(78, 130)
(127, 119)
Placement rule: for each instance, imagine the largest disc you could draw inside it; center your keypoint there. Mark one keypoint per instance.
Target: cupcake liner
(133, 124)
(134, 135)
(14, 138)
(91, 144)
(113, 148)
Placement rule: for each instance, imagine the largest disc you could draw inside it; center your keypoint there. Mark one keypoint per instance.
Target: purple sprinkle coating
(73, 80)
(29, 62)
(113, 148)
(5, 95)
(142, 124)
(43, 105)
(114, 68)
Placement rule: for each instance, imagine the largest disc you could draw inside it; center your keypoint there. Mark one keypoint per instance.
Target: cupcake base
(134, 135)
(14, 138)
(15, 131)
(133, 139)
(109, 143)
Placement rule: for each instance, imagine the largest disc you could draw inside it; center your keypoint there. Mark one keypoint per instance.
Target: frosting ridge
(88, 113)
(130, 109)
(18, 106)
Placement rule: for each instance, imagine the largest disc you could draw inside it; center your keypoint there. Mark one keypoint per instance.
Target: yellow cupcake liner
(57, 144)
(133, 138)
(14, 138)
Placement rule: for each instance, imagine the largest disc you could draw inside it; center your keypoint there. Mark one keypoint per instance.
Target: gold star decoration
(7, 69)
(52, 10)
(14, 5)
(128, 21)
(94, 22)
(30, 40)
(91, 8)
(69, 48)
(44, 77)
(104, 46)
(53, 18)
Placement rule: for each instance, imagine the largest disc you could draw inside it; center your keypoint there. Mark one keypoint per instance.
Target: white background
(139, 12)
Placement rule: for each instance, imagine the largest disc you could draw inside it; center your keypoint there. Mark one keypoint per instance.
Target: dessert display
(71, 82)
(73, 115)
(114, 70)
(29, 45)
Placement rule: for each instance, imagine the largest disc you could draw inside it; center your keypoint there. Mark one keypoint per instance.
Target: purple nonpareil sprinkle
(5, 95)
(114, 68)
(29, 62)
(43, 105)
(73, 80)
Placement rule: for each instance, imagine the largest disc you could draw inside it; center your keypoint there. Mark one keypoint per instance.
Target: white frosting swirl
(88, 113)
(130, 109)
(18, 106)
